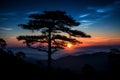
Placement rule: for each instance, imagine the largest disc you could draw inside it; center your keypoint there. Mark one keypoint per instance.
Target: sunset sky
(99, 18)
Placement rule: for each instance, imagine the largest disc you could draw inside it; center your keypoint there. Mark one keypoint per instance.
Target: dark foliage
(2, 43)
(52, 25)
(16, 68)
(53, 22)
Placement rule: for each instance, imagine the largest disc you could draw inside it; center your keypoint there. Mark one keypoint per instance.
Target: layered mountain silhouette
(96, 66)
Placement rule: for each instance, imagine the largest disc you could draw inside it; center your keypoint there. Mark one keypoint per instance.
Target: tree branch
(38, 49)
(64, 38)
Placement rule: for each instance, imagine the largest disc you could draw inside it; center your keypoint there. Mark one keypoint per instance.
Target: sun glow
(69, 45)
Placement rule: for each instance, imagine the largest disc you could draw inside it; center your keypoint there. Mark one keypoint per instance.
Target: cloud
(93, 17)
(86, 24)
(8, 14)
(100, 10)
(84, 21)
(84, 15)
(3, 19)
(6, 28)
(106, 9)
(32, 12)
(103, 17)
(85, 27)
(95, 14)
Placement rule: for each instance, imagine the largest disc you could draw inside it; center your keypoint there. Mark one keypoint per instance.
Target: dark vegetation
(52, 26)
(15, 67)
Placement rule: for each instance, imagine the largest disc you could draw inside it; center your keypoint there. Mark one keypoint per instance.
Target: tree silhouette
(2, 43)
(52, 26)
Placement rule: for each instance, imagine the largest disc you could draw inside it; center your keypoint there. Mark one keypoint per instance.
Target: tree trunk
(49, 50)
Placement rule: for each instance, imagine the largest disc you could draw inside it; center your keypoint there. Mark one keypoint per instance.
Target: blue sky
(100, 18)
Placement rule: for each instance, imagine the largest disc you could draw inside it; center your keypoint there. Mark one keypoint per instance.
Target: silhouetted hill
(13, 67)
(99, 60)
(96, 66)
(75, 63)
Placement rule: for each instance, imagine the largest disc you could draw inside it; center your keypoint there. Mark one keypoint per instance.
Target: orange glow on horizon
(95, 40)
(70, 47)
(13, 42)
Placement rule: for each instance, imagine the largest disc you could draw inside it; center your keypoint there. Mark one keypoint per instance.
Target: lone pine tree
(52, 26)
